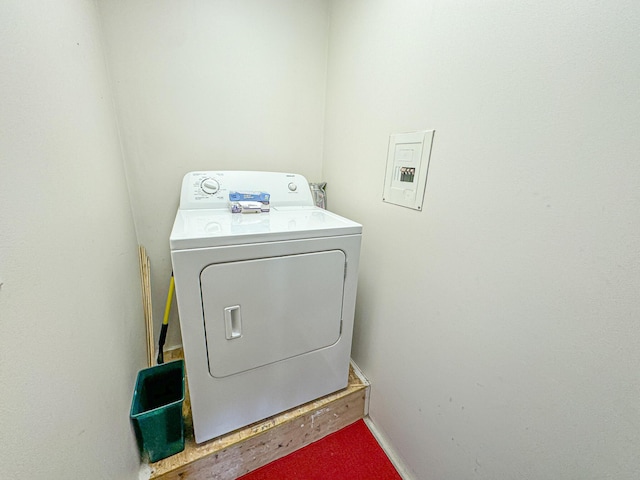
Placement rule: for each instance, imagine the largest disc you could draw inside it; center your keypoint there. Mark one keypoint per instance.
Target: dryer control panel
(210, 189)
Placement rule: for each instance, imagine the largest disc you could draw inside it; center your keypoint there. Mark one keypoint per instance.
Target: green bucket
(156, 410)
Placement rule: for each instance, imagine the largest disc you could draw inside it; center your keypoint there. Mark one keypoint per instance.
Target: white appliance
(266, 300)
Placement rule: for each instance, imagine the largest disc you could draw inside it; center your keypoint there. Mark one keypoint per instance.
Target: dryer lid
(218, 227)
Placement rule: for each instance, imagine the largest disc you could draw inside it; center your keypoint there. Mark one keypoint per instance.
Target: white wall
(499, 326)
(215, 85)
(71, 327)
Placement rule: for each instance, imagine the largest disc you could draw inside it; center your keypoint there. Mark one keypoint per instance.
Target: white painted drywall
(499, 326)
(71, 326)
(213, 85)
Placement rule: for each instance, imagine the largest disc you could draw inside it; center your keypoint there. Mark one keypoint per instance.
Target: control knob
(210, 186)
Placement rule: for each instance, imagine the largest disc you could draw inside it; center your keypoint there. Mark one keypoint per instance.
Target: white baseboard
(145, 471)
(396, 460)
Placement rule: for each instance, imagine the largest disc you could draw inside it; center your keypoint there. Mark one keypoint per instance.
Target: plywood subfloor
(239, 452)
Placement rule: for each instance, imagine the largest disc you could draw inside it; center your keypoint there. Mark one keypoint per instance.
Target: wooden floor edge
(274, 443)
(358, 373)
(210, 459)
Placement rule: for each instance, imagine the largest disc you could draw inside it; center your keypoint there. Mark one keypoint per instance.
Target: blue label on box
(249, 197)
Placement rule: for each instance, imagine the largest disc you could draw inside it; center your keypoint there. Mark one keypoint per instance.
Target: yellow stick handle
(167, 308)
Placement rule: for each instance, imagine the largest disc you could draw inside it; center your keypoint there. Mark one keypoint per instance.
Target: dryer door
(262, 311)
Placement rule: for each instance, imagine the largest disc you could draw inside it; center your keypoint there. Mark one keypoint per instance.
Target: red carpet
(348, 454)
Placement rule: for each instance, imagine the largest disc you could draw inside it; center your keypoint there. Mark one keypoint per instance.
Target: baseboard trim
(388, 448)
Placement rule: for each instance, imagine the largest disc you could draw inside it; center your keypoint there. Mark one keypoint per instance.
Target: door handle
(232, 322)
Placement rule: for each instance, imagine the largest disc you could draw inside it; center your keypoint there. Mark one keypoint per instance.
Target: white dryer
(266, 300)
